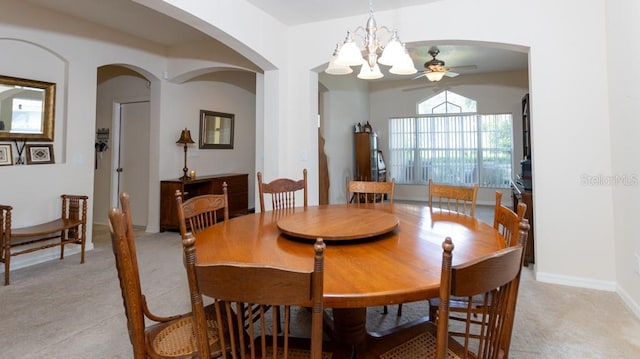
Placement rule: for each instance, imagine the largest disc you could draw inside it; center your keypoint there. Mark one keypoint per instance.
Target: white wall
(622, 27)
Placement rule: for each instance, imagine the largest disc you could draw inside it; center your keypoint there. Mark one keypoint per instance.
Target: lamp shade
(435, 75)
(185, 137)
(349, 54)
(404, 66)
(335, 69)
(392, 54)
(367, 73)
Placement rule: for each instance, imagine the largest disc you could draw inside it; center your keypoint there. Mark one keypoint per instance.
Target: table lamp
(185, 138)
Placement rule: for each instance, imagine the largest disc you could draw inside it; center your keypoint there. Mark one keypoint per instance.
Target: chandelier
(393, 53)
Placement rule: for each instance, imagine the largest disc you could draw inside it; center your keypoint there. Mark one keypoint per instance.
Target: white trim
(576, 281)
(628, 300)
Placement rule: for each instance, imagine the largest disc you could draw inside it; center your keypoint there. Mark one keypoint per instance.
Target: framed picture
(216, 129)
(6, 157)
(39, 154)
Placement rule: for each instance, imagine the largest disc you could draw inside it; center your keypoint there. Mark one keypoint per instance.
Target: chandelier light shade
(367, 73)
(435, 75)
(371, 52)
(335, 69)
(185, 139)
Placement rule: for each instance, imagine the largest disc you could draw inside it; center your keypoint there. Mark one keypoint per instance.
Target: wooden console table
(237, 190)
(71, 227)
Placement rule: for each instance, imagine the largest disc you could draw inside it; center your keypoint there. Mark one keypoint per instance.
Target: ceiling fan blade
(418, 76)
(418, 88)
(451, 74)
(466, 67)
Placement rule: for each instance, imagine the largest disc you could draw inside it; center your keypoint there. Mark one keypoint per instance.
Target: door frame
(115, 154)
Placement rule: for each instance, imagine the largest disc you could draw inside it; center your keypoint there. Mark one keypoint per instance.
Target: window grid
(453, 148)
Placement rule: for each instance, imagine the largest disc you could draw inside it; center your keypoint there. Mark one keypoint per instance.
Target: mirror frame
(48, 110)
(205, 141)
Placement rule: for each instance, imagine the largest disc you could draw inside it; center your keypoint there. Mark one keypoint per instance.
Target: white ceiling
(140, 21)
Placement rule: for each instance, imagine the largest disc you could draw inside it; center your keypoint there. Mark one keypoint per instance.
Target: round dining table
(374, 256)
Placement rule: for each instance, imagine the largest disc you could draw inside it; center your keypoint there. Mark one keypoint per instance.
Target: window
(451, 146)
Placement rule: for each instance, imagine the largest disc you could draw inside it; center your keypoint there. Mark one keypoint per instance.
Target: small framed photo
(39, 154)
(6, 157)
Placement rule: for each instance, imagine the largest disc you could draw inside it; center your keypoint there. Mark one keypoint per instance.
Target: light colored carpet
(62, 309)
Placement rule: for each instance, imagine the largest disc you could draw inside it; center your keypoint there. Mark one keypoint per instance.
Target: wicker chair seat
(178, 339)
(421, 346)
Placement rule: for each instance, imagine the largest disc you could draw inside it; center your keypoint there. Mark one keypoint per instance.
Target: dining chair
(370, 192)
(169, 337)
(495, 277)
(507, 223)
(200, 212)
(237, 285)
(282, 191)
(203, 211)
(460, 199)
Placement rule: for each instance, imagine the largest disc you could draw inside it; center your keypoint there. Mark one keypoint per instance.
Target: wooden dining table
(369, 260)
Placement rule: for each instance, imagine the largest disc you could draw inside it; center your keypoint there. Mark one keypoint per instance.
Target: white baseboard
(45, 255)
(626, 298)
(576, 281)
(608, 286)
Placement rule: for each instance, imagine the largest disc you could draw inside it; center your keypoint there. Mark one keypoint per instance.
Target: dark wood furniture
(282, 191)
(526, 127)
(526, 197)
(237, 191)
(405, 262)
(369, 163)
(453, 198)
(228, 285)
(495, 279)
(71, 227)
(200, 212)
(169, 337)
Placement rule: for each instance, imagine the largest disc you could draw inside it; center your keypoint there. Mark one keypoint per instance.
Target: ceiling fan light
(349, 54)
(367, 73)
(404, 66)
(392, 53)
(435, 75)
(335, 69)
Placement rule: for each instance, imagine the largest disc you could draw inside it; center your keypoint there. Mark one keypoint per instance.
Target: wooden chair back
(282, 191)
(366, 192)
(124, 250)
(5, 239)
(234, 285)
(506, 221)
(200, 212)
(460, 199)
(495, 278)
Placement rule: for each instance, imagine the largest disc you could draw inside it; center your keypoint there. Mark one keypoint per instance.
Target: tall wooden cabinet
(237, 192)
(369, 162)
(524, 192)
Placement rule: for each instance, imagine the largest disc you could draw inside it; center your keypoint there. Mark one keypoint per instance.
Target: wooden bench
(70, 228)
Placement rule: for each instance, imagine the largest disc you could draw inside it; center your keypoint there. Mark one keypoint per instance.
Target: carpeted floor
(62, 309)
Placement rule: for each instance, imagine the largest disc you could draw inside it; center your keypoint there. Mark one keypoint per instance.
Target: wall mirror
(216, 129)
(26, 109)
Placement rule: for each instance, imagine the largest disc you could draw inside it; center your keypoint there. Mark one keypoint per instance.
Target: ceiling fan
(435, 69)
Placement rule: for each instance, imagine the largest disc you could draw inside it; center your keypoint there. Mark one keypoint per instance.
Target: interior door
(133, 160)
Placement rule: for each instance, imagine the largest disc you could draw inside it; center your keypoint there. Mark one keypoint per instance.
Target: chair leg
(385, 310)
(399, 313)
(7, 260)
